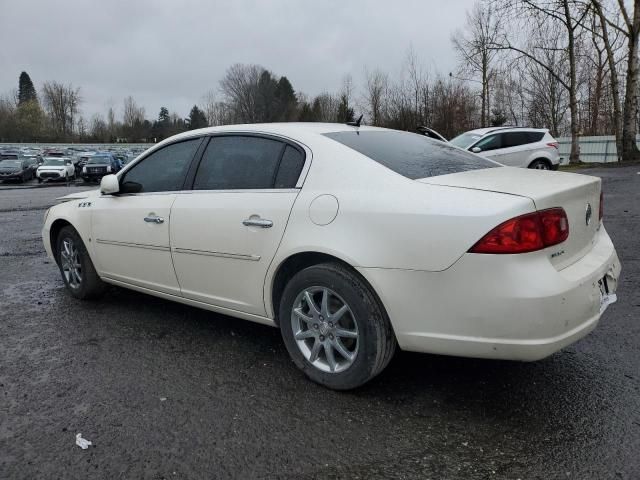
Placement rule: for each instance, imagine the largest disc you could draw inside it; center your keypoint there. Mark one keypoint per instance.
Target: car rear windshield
(411, 155)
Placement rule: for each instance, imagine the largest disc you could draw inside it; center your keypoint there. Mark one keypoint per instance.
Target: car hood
(78, 196)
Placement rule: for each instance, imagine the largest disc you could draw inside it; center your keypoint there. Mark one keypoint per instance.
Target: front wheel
(76, 267)
(334, 327)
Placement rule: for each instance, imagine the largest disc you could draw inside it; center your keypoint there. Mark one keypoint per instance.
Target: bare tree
(62, 103)
(240, 87)
(630, 28)
(375, 95)
(476, 48)
(570, 15)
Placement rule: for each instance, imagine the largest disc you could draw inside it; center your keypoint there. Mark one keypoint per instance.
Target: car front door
(489, 147)
(130, 230)
(225, 233)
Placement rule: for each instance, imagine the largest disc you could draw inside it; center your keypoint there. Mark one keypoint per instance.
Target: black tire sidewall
(354, 292)
(83, 290)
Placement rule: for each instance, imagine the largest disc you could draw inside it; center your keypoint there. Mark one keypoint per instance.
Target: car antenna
(356, 123)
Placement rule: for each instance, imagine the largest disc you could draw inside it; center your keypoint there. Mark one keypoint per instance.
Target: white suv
(513, 146)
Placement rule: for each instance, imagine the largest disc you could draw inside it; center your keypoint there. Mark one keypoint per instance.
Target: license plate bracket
(606, 298)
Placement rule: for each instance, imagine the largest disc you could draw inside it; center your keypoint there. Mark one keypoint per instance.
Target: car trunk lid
(579, 195)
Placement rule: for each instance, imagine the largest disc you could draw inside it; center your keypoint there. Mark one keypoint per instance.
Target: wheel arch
(298, 261)
(54, 231)
(541, 159)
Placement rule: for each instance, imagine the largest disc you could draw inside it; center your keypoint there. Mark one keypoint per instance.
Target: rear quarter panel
(385, 220)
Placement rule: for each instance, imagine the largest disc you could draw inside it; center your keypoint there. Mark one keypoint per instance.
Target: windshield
(411, 155)
(11, 163)
(99, 160)
(53, 162)
(465, 140)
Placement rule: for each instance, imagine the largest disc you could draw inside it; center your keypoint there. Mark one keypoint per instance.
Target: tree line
(567, 65)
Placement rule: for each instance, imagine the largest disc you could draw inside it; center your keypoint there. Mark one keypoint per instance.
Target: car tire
(77, 270)
(363, 331)
(540, 164)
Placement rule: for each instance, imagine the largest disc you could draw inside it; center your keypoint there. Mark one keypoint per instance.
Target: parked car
(352, 240)
(513, 146)
(56, 168)
(15, 169)
(98, 166)
(431, 133)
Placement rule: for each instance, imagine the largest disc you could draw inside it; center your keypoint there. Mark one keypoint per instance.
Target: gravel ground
(168, 391)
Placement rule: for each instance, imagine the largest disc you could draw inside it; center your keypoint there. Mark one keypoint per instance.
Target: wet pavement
(168, 391)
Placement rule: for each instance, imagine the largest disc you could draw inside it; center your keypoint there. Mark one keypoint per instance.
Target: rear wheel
(76, 267)
(334, 327)
(540, 165)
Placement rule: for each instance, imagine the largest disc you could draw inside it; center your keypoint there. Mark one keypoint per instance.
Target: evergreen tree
(26, 90)
(197, 118)
(345, 112)
(163, 116)
(306, 114)
(286, 99)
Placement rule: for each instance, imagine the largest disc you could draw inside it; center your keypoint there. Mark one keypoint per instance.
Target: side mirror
(476, 149)
(109, 185)
(67, 162)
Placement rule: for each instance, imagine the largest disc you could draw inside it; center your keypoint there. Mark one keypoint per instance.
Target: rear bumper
(515, 307)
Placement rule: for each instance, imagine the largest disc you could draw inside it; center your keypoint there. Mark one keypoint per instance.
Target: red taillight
(526, 233)
(601, 208)
(555, 145)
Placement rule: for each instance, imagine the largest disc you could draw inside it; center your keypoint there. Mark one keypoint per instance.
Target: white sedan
(352, 240)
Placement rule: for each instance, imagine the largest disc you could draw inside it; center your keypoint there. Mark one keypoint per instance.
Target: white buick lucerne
(352, 240)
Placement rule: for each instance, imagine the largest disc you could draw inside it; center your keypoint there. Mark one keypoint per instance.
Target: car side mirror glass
(476, 149)
(109, 185)
(67, 162)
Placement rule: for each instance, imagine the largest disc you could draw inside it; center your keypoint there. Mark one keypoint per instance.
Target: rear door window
(515, 139)
(411, 155)
(236, 162)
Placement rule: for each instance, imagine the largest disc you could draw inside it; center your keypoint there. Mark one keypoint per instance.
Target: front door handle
(256, 221)
(153, 219)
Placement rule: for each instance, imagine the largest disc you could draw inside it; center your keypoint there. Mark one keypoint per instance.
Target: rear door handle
(153, 219)
(257, 222)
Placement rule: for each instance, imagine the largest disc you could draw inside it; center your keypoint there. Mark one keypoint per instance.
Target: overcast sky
(170, 53)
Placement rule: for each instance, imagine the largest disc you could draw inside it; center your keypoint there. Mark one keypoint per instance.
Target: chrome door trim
(133, 245)
(208, 253)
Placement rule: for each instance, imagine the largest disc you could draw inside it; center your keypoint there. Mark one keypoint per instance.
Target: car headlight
(108, 168)
(84, 169)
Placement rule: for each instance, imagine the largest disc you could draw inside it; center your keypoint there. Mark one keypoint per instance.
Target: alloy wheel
(325, 329)
(70, 263)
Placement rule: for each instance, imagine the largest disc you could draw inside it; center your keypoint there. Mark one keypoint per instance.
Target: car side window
(162, 171)
(490, 143)
(515, 139)
(237, 162)
(290, 168)
(535, 136)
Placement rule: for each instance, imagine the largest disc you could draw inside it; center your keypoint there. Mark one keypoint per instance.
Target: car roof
(484, 131)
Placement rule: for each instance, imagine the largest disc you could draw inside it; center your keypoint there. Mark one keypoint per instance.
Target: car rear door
(515, 149)
(225, 233)
(130, 230)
